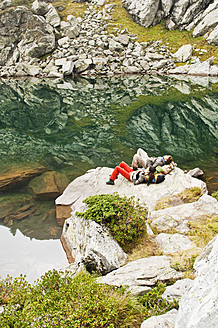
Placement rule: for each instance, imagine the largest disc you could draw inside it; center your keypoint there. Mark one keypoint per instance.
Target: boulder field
(39, 43)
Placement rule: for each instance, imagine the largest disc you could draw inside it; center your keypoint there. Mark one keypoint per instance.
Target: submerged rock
(17, 174)
(49, 184)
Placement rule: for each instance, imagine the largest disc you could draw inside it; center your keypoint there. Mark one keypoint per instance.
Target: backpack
(158, 178)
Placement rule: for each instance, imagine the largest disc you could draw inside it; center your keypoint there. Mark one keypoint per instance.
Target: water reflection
(98, 121)
(73, 125)
(20, 254)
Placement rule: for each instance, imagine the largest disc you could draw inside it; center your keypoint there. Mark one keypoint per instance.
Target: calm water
(73, 125)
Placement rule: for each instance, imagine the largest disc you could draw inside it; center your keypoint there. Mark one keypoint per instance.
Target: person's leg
(126, 167)
(120, 170)
(142, 154)
(123, 169)
(138, 162)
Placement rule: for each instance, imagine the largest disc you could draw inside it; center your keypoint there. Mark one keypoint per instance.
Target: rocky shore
(39, 44)
(172, 237)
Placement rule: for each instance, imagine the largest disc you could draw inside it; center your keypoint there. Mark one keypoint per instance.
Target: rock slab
(198, 308)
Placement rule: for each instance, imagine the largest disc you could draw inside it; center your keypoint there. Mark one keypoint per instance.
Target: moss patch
(189, 195)
(203, 230)
(69, 8)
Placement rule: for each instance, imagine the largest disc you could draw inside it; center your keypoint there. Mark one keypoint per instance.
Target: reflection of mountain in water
(88, 119)
(83, 123)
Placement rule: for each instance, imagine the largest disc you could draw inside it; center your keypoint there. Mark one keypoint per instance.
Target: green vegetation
(189, 195)
(173, 39)
(203, 230)
(58, 300)
(154, 304)
(124, 217)
(215, 194)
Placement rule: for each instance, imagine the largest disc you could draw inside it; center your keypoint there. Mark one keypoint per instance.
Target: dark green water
(74, 125)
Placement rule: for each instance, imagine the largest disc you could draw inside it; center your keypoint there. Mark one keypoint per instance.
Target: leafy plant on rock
(124, 217)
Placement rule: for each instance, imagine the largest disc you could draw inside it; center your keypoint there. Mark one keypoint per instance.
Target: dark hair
(169, 159)
(152, 169)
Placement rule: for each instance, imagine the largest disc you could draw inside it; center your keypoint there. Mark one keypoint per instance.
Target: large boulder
(94, 183)
(208, 21)
(200, 15)
(141, 275)
(198, 308)
(205, 206)
(88, 243)
(25, 33)
(166, 320)
(144, 12)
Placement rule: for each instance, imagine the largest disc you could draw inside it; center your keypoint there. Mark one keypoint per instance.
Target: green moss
(189, 195)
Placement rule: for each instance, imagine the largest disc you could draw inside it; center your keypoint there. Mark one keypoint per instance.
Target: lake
(76, 124)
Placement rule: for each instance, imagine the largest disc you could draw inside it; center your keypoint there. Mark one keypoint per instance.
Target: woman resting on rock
(149, 175)
(141, 160)
(141, 175)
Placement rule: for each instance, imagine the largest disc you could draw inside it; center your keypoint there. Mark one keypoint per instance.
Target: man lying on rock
(142, 160)
(144, 169)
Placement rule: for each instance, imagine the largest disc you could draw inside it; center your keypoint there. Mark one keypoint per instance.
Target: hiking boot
(110, 182)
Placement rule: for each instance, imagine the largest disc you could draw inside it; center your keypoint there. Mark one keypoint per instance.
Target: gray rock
(166, 6)
(86, 242)
(198, 308)
(173, 243)
(213, 70)
(206, 205)
(167, 222)
(143, 12)
(23, 25)
(123, 39)
(166, 320)
(195, 173)
(141, 275)
(52, 16)
(184, 53)
(177, 290)
(68, 68)
(210, 20)
(94, 182)
(213, 37)
(40, 7)
(4, 4)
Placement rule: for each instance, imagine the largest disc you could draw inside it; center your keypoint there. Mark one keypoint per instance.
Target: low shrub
(58, 300)
(154, 303)
(124, 217)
